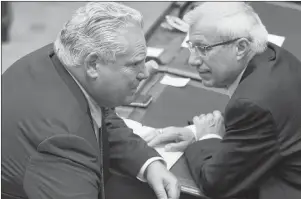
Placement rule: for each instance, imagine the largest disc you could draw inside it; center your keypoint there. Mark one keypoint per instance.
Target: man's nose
(194, 60)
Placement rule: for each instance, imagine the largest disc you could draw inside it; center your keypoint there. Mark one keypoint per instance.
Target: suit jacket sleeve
(65, 167)
(128, 151)
(245, 156)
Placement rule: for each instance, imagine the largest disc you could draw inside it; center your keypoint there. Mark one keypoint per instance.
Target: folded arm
(239, 162)
(131, 154)
(128, 152)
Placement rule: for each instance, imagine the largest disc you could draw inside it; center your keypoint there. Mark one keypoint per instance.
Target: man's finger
(149, 138)
(180, 146)
(151, 135)
(196, 121)
(166, 137)
(220, 124)
(217, 114)
(209, 117)
(173, 190)
(159, 190)
(202, 116)
(219, 119)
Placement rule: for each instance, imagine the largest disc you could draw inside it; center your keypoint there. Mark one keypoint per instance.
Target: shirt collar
(95, 110)
(231, 89)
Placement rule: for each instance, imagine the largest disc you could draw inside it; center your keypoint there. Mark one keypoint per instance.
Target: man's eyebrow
(135, 61)
(198, 40)
(198, 43)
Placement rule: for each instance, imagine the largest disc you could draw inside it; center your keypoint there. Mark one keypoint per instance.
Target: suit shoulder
(274, 87)
(33, 57)
(276, 82)
(36, 97)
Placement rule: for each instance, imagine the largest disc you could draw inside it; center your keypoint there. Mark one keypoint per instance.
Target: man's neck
(232, 87)
(88, 97)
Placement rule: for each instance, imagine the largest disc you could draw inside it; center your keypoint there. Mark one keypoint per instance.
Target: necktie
(104, 147)
(102, 184)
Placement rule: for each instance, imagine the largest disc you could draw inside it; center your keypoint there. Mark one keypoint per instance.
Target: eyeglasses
(203, 49)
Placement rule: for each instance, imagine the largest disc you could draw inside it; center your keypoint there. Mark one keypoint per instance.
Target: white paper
(174, 81)
(131, 123)
(184, 44)
(154, 52)
(275, 39)
(170, 157)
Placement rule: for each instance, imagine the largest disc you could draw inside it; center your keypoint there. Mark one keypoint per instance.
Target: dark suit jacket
(49, 147)
(261, 150)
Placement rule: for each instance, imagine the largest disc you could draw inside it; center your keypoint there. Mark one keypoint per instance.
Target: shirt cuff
(209, 136)
(140, 175)
(193, 129)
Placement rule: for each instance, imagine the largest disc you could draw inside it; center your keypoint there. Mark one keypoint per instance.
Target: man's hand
(151, 135)
(163, 182)
(178, 137)
(212, 123)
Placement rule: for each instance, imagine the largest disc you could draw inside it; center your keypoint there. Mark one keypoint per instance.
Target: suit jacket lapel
(74, 88)
(72, 85)
(76, 91)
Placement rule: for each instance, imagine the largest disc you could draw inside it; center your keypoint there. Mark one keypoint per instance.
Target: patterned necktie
(102, 184)
(104, 152)
(104, 146)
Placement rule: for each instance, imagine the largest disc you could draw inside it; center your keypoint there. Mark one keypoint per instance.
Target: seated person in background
(60, 132)
(257, 152)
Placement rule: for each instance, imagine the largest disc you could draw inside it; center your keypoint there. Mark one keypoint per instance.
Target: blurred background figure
(36, 24)
(6, 19)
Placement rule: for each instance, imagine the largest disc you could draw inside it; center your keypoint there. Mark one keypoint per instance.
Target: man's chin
(208, 84)
(212, 84)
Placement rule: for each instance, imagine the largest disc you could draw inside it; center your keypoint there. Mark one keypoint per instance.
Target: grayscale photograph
(150, 100)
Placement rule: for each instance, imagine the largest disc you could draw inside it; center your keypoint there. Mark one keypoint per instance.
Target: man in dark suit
(60, 133)
(254, 151)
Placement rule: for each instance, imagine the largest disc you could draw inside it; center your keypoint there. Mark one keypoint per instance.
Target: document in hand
(169, 157)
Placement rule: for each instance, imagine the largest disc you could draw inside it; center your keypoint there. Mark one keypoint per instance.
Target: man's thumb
(173, 147)
(160, 191)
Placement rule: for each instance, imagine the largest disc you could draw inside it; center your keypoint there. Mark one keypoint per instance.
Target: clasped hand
(179, 138)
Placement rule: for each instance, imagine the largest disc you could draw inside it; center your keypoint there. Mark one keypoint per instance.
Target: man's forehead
(135, 44)
(202, 31)
(132, 56)
(134, 53)
(137, 50)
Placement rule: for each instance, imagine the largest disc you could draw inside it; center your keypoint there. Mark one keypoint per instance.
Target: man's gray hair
(232, 20)
(95, 28)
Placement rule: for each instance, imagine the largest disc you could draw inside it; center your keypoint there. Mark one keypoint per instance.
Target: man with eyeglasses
(253, 150)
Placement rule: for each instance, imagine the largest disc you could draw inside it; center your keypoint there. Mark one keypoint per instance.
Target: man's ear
(90, 64)
(242, 47)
